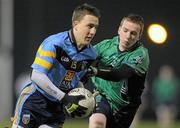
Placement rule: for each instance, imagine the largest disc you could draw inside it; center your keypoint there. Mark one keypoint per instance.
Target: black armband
(124, 71)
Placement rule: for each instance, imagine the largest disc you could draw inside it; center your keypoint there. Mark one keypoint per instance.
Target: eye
(92, 26)
(134, 33)
(125, 30)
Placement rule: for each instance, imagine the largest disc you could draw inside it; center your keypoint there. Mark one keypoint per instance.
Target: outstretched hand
(92, 71)
(71, 105)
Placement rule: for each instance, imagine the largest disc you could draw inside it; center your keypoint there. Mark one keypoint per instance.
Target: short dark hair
(135, 18)
(84, 9)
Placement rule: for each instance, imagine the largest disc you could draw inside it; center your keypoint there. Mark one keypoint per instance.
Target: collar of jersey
(73, 41)
(137, 44)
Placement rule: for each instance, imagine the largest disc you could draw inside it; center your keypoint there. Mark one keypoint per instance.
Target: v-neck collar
(73, 41)
(137, 44)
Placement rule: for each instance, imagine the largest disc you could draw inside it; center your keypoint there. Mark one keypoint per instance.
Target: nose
(93, 30)
(128, 35)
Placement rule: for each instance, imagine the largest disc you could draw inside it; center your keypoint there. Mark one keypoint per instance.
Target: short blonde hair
(135, 19)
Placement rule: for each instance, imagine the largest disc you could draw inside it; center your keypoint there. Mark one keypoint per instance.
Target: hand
(71, 105)
(92, 71)
(78, 112)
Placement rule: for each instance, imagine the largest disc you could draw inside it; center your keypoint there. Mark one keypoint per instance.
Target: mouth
(127, 41)
(88, 38)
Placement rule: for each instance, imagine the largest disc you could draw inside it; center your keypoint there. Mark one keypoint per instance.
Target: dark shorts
(122, 119)
(33, 110)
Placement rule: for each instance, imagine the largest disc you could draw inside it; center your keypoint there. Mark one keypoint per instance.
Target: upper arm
(44, 57)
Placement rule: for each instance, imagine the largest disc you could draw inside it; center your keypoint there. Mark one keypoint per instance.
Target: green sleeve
(102, 46)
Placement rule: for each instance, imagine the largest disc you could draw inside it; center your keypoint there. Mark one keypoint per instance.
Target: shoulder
(91, 52)
(141, 51)
(139, 59)
(56, 39)
(108, 42)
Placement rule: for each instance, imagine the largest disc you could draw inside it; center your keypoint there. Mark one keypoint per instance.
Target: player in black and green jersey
(122, 83)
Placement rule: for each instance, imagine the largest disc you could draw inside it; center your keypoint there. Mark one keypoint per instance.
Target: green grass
(84, 124)
(5, 124)
(72, 123)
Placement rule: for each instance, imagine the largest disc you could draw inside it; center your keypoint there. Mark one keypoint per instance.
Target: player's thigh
(97, 120)
(23, 116)
(100, 117)
(26, 119)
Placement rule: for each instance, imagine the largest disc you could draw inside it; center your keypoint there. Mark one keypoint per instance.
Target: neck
(76, 44)
(121, 48)
(79, 46)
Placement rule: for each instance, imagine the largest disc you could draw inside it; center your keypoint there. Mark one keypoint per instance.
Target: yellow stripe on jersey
(25, 93)
(43, 63)
(42, 52)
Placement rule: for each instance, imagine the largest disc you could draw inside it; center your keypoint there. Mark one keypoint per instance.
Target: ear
(119, 29)
(140, 35)
(74, 23)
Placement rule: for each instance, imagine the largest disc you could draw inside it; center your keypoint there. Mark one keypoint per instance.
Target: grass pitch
(83, 123)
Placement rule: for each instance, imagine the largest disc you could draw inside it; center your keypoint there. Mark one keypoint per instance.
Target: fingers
(79, 112)
(95, 93)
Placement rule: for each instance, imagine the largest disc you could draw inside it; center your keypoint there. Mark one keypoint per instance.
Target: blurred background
(24, 24)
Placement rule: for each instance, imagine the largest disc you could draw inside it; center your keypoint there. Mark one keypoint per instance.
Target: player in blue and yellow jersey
(60, 63)
(122, 83)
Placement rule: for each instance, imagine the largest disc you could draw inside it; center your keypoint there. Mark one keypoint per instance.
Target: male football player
(61, 61)
(122, 83)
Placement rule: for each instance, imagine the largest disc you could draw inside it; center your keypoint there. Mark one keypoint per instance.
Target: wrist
(63, 98)
(94, 70)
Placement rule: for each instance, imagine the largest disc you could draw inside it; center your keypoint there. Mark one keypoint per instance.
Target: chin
(87, 42)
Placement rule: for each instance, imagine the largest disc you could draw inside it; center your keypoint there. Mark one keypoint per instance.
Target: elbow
(32, 77)
(36, 76)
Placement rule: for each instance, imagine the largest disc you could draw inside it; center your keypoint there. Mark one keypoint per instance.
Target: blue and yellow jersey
(59, 58)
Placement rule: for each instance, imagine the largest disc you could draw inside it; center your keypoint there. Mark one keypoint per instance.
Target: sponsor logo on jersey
(66, 82)
(69, 75)
(64, 59)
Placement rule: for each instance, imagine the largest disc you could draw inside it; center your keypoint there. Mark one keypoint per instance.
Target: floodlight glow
(157, 33)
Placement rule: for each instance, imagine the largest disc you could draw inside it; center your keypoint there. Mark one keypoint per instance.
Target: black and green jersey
(137, 58)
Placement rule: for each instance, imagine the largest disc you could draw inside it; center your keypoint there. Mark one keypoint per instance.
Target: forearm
(45, 84)
(124, 71)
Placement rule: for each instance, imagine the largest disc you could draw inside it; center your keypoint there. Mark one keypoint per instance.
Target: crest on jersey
(26, 118)
(138, 59)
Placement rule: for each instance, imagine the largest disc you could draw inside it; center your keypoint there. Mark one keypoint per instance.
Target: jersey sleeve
(139, 61)
(101, 47)
(45, 57)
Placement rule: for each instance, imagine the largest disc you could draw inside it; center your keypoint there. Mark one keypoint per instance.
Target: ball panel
(88, 102)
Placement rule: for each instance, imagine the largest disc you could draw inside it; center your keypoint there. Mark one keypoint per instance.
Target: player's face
(129, 34)
(85, 29)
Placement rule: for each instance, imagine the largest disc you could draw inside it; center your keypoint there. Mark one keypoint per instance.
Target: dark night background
(36, 19)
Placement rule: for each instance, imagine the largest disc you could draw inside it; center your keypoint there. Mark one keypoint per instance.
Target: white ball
(88, 102)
